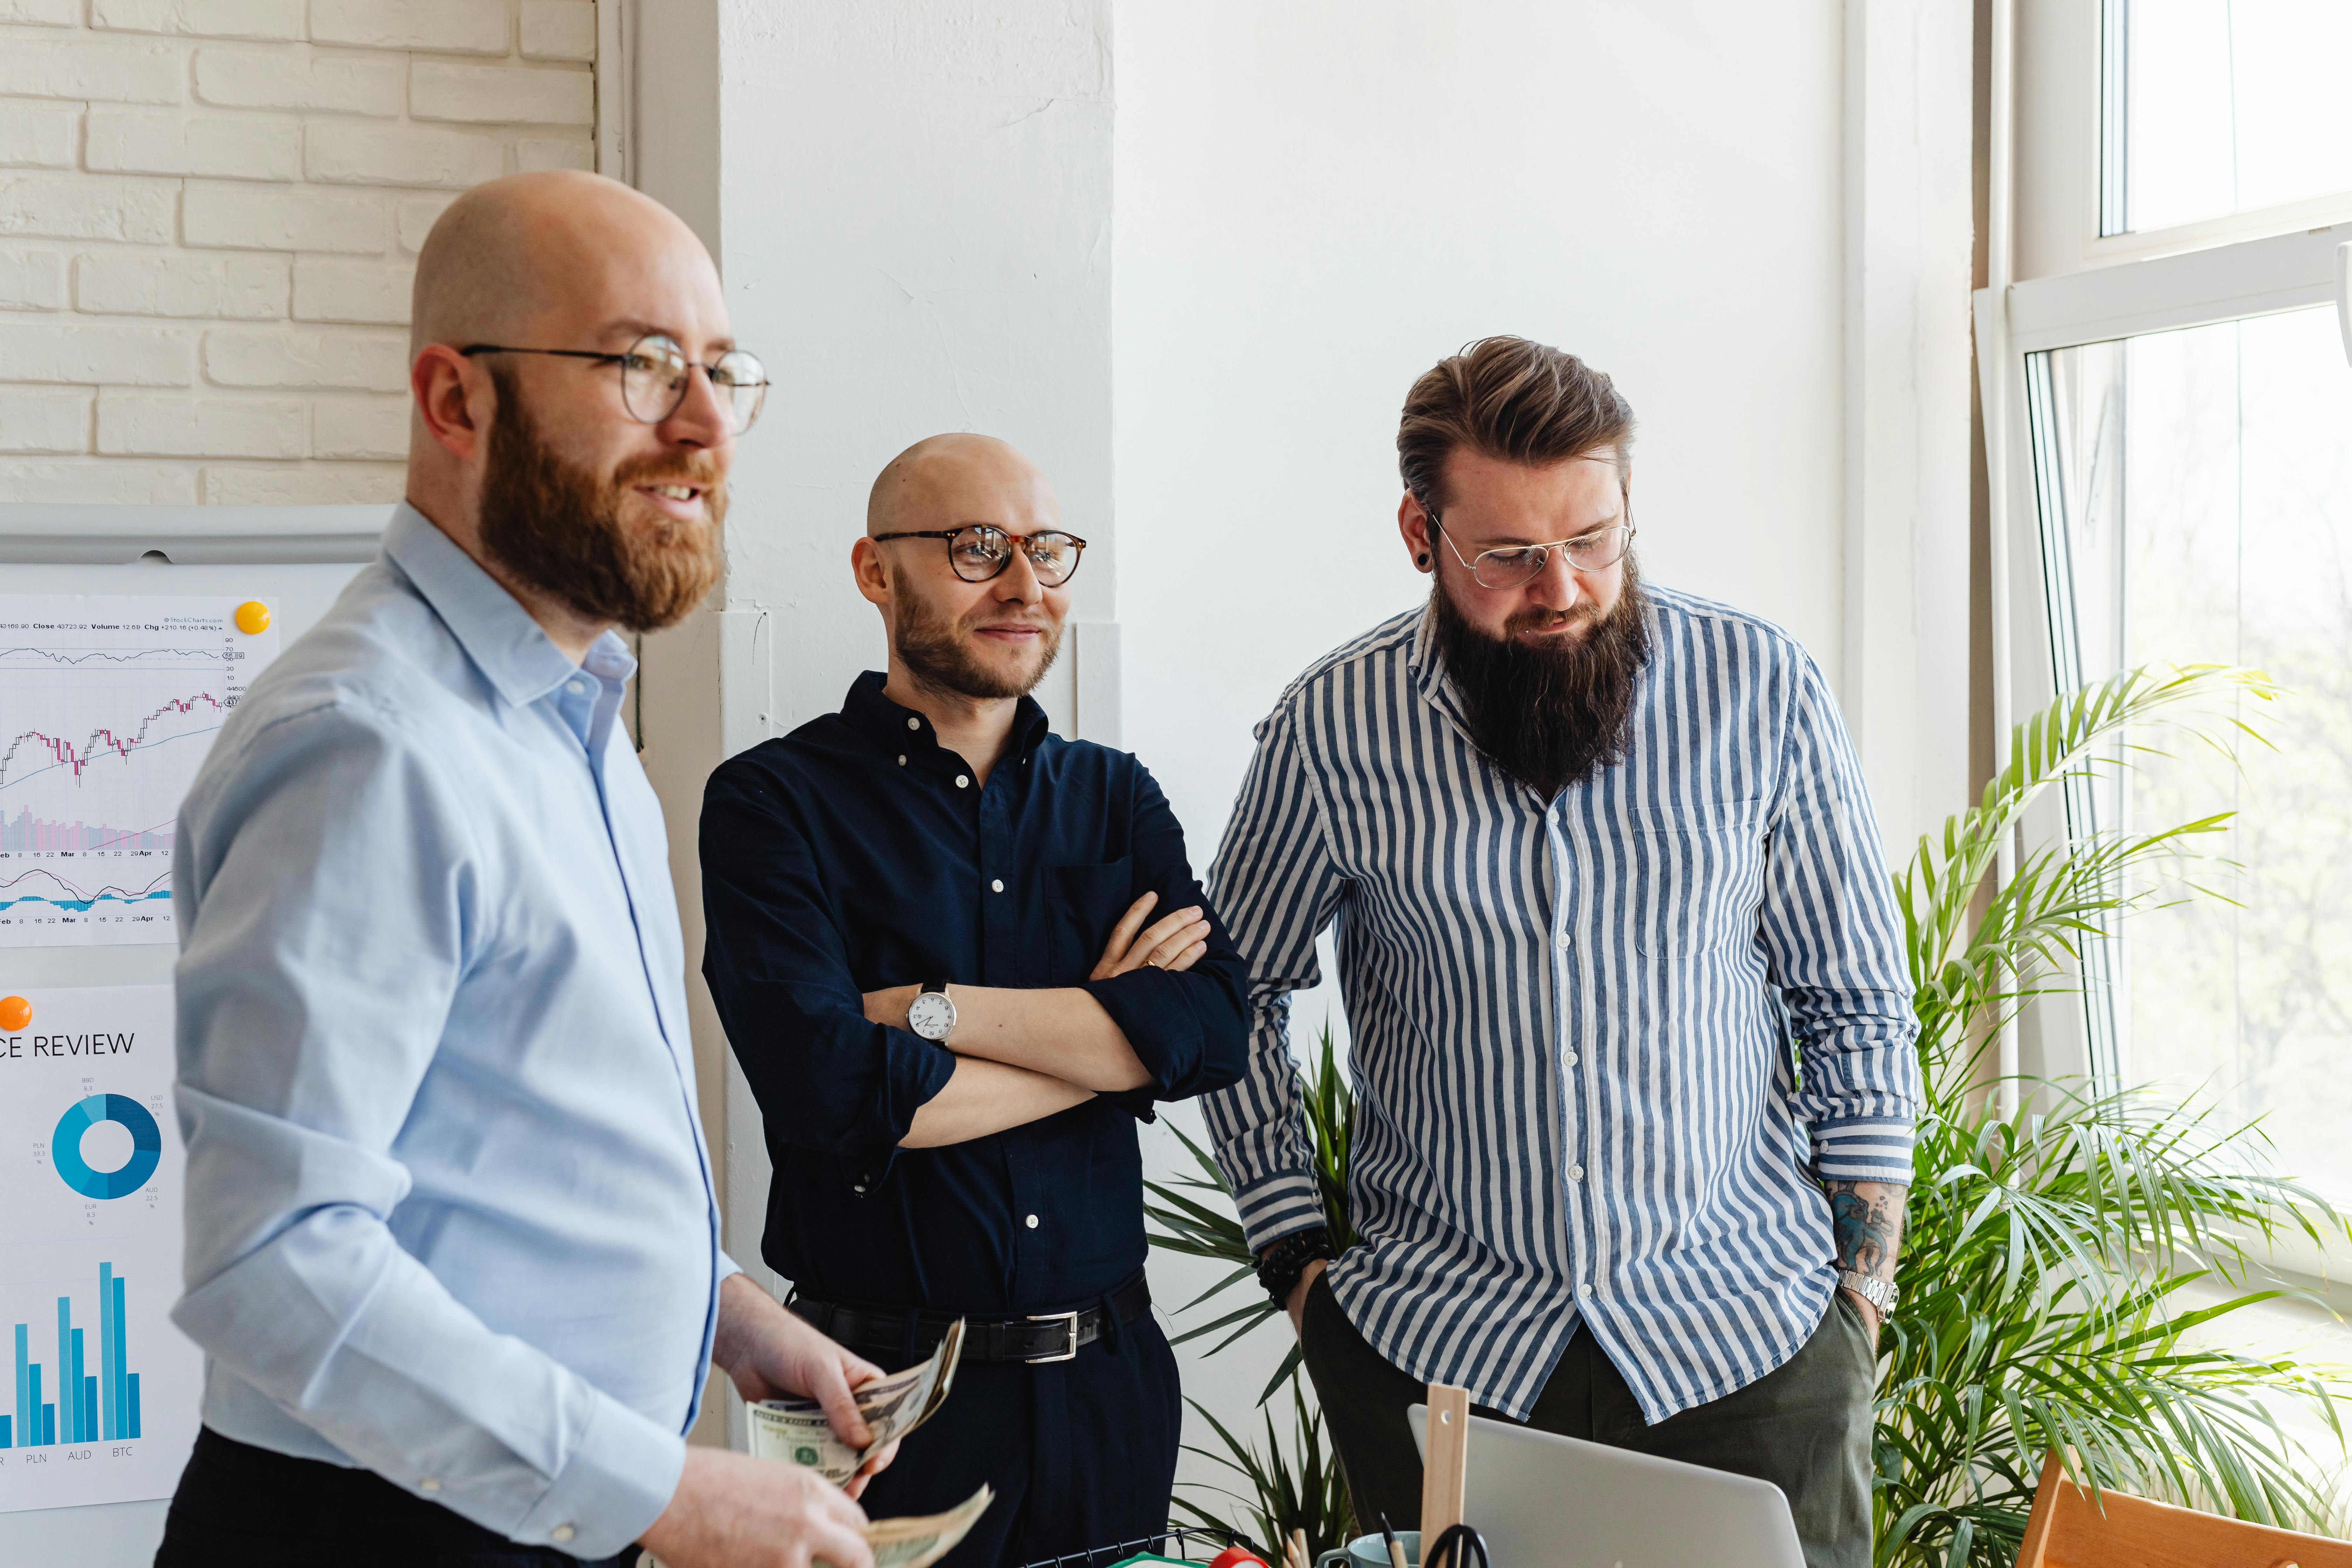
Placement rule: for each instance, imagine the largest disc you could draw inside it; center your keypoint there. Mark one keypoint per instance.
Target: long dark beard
(927, 643)
(560, 528)
(1550, 716)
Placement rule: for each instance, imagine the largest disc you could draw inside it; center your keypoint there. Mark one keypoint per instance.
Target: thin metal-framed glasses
(1514, 564)
(655, 372)
(979, 550)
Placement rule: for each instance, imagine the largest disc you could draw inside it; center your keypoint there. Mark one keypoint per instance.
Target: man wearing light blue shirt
(453, 1246)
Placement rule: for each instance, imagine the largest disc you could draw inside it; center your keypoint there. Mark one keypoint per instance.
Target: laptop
(1542, 1502)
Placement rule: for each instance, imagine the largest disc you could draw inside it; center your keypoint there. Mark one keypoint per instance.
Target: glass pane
(2205, 487)
(2230, 106)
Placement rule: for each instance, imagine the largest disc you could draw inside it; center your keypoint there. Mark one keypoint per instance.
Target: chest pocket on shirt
(1085, 902)
(1697, 877)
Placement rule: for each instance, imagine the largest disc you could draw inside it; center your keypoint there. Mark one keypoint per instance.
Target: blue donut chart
(146, 1146)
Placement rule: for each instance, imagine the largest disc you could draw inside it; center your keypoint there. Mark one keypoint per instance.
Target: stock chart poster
(108, 705)
(102, 1402)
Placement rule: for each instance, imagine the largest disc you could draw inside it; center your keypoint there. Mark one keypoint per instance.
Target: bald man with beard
(451, 1246)
(958, 957)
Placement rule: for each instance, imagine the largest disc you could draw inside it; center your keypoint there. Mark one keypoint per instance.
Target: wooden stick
(1445, 1471)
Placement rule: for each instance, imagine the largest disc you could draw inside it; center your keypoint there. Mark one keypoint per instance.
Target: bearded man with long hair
(1598, 854)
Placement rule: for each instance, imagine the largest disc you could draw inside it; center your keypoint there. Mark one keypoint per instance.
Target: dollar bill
(796, 1430)
(919, 1542)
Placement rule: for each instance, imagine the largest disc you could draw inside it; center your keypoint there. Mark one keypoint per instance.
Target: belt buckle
(1070, 1321)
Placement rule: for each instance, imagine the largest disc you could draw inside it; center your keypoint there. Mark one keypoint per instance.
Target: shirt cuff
(1160, 1027)
(1280, 1206)
(1863, 1149)
(622, 1475)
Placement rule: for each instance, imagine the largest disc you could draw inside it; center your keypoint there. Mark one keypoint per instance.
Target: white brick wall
(209, 217)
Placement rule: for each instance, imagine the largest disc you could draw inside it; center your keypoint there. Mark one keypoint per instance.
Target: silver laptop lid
(1542, 1502)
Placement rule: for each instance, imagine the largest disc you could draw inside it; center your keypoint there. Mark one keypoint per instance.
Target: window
(2171, 423)
(2218, 107)
(2195, 504)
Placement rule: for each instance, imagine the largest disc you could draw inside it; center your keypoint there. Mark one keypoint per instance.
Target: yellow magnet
(15, 1012)
(252, 618)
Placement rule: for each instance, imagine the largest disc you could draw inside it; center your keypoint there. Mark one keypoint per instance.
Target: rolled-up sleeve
(329, 887)
(1274, 879)
(826, 1077)
(1835, 939)
(1189, 1030)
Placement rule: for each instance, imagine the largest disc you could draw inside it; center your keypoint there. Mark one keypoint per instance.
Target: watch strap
(939, 985)
(1879, 1293)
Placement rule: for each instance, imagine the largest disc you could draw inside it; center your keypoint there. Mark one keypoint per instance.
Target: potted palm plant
(2055, 1249)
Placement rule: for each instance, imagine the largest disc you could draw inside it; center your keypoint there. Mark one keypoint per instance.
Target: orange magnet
(252, 618)
(16, 1013)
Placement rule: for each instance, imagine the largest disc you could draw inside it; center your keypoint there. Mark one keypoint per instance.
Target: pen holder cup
(1372, 1551)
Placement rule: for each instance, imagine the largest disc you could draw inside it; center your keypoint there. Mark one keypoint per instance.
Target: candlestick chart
(107, 707)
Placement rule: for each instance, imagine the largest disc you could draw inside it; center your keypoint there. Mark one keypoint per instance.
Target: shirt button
(857, 1186)
(581, 687)
(1568, 1060)
(1560, 941)
(914, 723)
(1031, 1222)
(902, 759)
(561, 1533)
(428, 1485)
(997, 886)
(963, 781)
(1575, 1173)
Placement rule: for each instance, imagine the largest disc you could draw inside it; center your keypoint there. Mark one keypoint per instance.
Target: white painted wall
(1316, 200)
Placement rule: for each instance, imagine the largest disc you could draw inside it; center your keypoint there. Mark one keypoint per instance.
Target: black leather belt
(1034, 1338)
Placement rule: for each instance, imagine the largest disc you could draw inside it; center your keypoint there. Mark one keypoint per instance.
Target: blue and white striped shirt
(1572, 1024)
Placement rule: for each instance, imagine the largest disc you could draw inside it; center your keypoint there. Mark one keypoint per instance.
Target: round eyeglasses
(979, 550)
(1514, 564)
(654, 375)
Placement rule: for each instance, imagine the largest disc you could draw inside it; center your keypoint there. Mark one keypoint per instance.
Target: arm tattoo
(1866, 1218)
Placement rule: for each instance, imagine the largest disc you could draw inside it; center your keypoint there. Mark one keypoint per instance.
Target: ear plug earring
(1421, 559)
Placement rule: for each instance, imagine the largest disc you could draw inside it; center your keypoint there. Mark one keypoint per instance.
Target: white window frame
(2013, 327)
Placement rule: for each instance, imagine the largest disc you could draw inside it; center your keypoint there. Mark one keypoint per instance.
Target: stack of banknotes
(796, 1430)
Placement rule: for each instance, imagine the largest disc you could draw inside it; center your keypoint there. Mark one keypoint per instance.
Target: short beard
(559, 528)
(927, 643)
(1550, 716)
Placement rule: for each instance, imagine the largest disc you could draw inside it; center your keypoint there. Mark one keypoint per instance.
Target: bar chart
(99, 1390)
(99, 1399)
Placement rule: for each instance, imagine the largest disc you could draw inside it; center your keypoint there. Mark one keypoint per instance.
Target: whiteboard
(296, 559)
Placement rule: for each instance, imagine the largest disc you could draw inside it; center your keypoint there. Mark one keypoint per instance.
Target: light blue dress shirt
(449, 1212)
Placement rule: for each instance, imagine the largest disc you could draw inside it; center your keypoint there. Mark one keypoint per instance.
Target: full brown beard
(933, 650)
(560, 529)
(1550, 716)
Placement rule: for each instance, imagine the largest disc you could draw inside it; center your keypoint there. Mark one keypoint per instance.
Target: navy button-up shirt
(857, 854)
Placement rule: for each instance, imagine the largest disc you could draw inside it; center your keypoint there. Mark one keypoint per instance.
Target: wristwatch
(1879, 1293)
(931, 1013)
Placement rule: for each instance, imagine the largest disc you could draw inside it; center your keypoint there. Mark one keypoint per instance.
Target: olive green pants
(1805, 1427)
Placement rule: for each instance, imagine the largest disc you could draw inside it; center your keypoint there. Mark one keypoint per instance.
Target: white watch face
(931, 1015)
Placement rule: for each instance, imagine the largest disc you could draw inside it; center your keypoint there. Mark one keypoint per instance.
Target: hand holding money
(798, 1430)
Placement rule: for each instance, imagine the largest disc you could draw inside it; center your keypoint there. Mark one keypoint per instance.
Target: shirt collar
(892, 727)
(1428, 667)
(513, 652)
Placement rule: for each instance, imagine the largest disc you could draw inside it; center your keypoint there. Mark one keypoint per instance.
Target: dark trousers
(1805, 1426)
(1082, 1453)
(242, 1506)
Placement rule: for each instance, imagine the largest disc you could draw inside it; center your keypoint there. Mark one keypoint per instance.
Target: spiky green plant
(1302, 1490)
(1198, 1229)
(2049, 1247)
